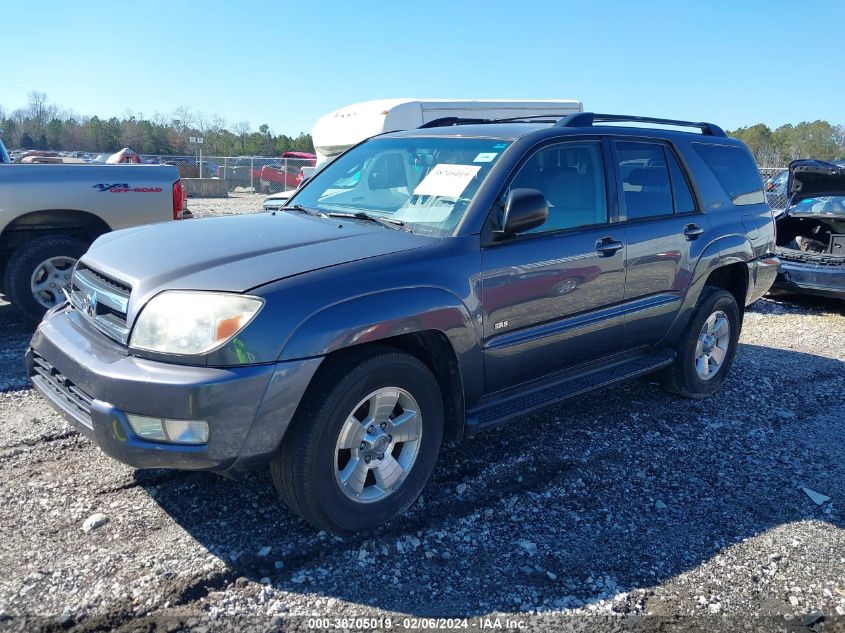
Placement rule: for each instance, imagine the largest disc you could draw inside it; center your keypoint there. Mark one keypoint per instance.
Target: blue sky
(286, 63)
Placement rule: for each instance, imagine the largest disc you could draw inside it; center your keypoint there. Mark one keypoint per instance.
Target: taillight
(180, 199)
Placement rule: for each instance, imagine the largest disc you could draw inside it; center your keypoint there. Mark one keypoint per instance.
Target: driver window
(571, 176)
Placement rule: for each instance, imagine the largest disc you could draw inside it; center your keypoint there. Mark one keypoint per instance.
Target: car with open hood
(423, 286)
(811, 231)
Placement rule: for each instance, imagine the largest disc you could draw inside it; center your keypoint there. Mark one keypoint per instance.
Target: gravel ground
(236, 204)
(626, 509)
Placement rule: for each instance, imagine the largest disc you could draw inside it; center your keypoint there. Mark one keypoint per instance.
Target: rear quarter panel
(121, 195)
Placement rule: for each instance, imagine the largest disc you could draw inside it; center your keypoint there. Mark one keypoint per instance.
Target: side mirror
(525, 209)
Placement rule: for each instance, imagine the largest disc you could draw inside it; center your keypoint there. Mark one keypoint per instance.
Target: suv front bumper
(94, 384)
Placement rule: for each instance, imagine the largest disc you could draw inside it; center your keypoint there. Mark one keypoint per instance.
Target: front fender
(381, 315)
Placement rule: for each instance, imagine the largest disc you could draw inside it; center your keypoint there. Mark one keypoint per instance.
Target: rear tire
(706, 350)
(35, 266)
(318, 478)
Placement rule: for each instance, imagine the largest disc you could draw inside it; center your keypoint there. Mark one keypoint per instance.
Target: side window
(684, 202)
(645, 179)
(571, 176)
(735, 170)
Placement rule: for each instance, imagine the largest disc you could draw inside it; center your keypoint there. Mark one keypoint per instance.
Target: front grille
(102, 300)
(77, 401)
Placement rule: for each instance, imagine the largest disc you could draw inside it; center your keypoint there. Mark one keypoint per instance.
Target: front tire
(37, 272)
(363, 443)
(707, 348)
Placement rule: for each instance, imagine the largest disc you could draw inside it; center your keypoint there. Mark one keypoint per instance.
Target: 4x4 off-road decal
(125, 188)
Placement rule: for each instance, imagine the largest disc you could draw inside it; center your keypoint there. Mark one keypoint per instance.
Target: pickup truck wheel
(363, 443)
(38, 270)
(706, 350)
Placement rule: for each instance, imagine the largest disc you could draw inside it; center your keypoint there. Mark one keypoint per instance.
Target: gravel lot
(235, 204)
(617, 505)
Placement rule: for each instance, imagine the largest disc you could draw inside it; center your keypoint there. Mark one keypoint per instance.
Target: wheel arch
(435, 351)
(429, 323)
(80, 224)
(723, 263)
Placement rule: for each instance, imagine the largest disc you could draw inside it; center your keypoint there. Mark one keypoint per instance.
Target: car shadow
(608, 493)
(15, 333)
(799, 304)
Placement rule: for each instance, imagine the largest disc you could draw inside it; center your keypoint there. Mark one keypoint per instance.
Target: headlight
(180, 322)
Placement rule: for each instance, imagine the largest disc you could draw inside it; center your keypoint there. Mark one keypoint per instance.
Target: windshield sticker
(500, 146)
(447, 180)
(485, 157)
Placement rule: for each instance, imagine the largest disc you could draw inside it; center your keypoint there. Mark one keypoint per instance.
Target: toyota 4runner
(427, 284)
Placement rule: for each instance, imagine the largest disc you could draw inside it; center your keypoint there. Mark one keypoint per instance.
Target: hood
(813, 178)
(236, 253)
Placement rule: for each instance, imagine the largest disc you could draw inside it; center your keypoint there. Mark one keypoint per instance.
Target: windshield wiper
(306, 210)
(361, 215)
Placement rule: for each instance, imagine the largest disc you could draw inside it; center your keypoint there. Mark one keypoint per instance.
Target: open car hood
(810, 178)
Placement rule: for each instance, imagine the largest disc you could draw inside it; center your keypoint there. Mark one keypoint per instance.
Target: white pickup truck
(50, 214)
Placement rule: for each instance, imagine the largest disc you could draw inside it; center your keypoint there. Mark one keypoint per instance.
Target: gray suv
(425, 285)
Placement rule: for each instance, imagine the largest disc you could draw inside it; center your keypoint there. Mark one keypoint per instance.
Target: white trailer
(337, 131)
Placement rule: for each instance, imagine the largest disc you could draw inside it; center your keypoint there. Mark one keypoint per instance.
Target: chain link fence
(268, 175)
(774, 184)
(249, 173)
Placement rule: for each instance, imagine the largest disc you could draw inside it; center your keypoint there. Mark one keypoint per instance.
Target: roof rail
(586, 119)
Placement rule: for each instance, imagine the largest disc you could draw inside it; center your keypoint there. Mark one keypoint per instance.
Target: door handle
(608, 246)
(692, 231)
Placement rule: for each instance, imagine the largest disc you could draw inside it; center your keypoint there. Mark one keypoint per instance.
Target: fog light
(164, 430)
(146, 427)
(187, 431)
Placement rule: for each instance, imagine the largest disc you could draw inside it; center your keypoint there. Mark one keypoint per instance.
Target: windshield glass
(820, 205)
(426, 183)
(4, 156)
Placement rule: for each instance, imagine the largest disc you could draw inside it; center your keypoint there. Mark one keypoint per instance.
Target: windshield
(426, 183)
(820, 205)
(4, 156)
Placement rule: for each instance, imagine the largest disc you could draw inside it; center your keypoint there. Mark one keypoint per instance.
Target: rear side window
(735, 170)
(645, 179)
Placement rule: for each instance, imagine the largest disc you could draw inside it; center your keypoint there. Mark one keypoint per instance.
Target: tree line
(47, 126)
(775, 148)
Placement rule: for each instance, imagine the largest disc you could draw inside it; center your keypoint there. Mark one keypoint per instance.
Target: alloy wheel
(378, 445)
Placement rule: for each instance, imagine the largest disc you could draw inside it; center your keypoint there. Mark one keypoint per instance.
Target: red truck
(287, 173)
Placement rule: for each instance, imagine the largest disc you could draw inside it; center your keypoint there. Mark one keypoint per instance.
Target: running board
(538, 396)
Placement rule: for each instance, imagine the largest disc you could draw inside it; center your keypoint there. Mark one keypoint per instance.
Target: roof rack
(586, 119)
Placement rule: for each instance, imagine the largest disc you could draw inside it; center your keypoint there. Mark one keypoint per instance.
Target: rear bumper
(808, 278)
(94, 385)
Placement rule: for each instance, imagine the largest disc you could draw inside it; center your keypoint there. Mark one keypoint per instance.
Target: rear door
(546, 293)
(662, 223)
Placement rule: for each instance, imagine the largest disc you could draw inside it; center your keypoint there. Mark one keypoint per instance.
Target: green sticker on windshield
(500, 146)
(485, 157)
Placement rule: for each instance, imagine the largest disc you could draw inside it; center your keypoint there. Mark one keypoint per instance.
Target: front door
(547, 294)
